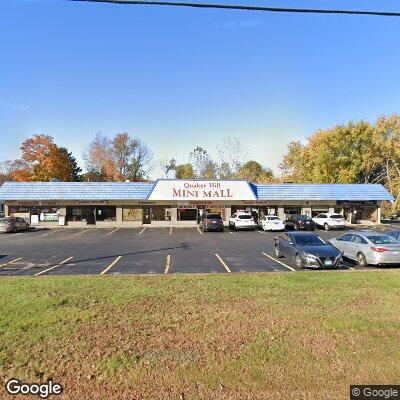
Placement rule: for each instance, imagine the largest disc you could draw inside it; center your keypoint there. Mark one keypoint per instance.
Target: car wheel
(278, 253)
(361, 260)
(326, 226)
(234, 227)
(299, 261)
(15, 229)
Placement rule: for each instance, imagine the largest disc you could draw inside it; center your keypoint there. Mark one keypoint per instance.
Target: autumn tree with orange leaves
(42, 160)
(117, 159)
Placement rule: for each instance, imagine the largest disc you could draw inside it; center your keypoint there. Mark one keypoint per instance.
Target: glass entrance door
(147, 215)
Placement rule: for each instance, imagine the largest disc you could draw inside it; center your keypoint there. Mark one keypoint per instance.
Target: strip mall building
(182, 202)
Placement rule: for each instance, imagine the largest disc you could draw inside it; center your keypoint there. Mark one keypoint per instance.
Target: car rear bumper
(245, 226)
(274, 228)
(213, 227)
(337, 226)
(384, 259)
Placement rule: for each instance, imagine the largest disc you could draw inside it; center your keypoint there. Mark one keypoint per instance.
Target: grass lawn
(302, 335)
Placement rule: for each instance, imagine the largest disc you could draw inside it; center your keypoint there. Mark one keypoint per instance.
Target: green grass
(301, 335)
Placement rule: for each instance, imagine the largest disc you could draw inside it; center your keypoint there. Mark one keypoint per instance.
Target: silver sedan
(13, 224)
(368, 247)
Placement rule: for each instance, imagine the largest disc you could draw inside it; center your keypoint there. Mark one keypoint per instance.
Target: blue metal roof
(336, 191)
(141, 191)
(75, 190)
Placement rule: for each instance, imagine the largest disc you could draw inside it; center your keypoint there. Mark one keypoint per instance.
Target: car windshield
(213, 216)
(245, 217)
(381, 239)
(309, 240)
(336, 216)
(4, 220)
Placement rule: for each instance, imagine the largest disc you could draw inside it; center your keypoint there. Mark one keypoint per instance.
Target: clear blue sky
(178, 78)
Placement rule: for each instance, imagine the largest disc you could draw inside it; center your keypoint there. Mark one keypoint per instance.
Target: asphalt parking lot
(143, 251)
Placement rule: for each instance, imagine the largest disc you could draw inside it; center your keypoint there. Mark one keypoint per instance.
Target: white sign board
(201, 190)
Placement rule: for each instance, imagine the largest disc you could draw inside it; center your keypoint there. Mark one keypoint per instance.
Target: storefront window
(106, 213)
(160, 213)
(187, 214)
(292, 210)
(133, 213)
(91, 214)
(45, 214)
(22, 212)
(267, 210)
(318, 210)
(217, 210)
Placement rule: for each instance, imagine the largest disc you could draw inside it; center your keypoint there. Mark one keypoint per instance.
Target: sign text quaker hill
(201, 190)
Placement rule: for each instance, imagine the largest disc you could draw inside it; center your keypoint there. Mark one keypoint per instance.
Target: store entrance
(147, 215)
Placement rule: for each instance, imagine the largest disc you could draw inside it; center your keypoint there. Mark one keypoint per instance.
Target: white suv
(330, 221)
(242, 220)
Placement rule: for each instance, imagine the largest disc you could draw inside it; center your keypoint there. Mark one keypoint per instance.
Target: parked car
(212, 222)
(308, 250)
(298, 222)
(13, 224)
(369, 247)
(394, 234)
(271, 223)
(330, 221)
(242, 220)
(394, 217)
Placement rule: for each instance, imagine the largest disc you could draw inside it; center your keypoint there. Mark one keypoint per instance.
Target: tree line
(126, 158)
(354, 152)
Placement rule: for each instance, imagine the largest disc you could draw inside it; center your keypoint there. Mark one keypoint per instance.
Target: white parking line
(280, 262)
(111, 265)
(110, 233)
(170, 230)
(199, 231)
(54, 266)
(10, 262)
(223, 263)
(231, 233)
(80, 233)
(260, 231)
(167, 263)
(142, 231)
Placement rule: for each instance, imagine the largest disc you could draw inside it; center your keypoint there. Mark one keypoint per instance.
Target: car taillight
(379, 249)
